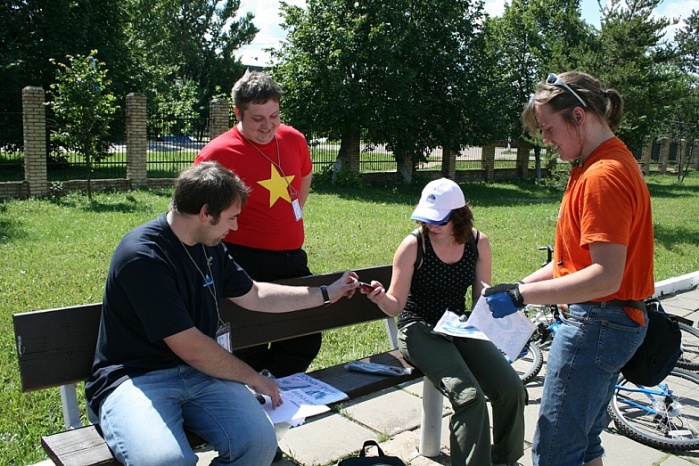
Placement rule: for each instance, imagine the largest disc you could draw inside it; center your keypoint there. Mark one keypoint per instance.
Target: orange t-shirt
(607, 200)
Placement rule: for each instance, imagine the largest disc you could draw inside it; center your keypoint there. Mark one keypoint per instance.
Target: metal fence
(11, 150)
(173, 143)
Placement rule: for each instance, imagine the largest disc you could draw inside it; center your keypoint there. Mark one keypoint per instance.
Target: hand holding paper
(503, 299)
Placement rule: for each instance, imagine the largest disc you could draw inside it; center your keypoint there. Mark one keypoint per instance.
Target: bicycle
(528, 363)
(664, 417)
(547, 319)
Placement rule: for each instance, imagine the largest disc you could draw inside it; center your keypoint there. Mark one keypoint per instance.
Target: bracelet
(324, 292)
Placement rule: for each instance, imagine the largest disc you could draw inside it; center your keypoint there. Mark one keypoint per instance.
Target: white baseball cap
(439, 198)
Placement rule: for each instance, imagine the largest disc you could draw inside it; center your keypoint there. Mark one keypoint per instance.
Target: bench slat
(78, 447)
(57, 346)
(356, 384)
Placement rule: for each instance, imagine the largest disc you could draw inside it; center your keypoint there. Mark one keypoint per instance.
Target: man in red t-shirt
(274, 161)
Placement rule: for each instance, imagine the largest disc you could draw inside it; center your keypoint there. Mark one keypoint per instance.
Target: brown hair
(462, 223)
(606, 104)
(209, 184)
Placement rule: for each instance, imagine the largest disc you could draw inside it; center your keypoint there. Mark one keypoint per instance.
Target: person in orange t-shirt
(274, 161)
(602, 266)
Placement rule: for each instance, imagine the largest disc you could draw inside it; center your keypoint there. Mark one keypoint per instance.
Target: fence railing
(152, 147)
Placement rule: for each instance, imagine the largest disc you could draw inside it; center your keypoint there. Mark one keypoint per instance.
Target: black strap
(370, 443)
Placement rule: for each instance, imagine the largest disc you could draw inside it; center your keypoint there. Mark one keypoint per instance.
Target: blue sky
(267, 20)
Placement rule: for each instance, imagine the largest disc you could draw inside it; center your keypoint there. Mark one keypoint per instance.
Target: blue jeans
(590, 348)
(144, 418)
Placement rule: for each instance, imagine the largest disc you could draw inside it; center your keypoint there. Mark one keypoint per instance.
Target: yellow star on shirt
(277, 186)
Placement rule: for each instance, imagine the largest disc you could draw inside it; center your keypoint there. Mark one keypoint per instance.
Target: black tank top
(437, 286)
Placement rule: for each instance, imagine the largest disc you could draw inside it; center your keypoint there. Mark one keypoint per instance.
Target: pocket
(616, 344)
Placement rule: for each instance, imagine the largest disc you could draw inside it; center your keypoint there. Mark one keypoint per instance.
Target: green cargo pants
(467, 371)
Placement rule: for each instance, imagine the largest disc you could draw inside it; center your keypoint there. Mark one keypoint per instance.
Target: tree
(409, 74)
(631, 56)
(33, 32)
(190, 43)
(83, 107)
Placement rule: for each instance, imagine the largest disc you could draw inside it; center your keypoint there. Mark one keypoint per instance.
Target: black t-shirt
(155, 290)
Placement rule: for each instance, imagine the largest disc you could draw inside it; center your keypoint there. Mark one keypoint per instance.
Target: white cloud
(267, 20)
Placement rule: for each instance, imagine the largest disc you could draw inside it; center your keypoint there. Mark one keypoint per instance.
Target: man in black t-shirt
(163, 360)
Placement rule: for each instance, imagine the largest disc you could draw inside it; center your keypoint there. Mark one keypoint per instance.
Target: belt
(640, 305)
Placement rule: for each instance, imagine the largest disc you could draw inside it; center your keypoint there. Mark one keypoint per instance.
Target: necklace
(208, 279)
(277, 164)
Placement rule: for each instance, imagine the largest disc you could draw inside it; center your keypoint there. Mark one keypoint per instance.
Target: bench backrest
(57, 346)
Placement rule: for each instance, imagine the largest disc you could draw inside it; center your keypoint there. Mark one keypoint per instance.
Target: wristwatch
(324, 292)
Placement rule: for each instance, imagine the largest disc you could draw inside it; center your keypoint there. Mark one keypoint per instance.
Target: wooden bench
(55, 348)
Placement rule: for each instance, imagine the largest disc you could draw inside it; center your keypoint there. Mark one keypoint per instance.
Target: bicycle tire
(690, 348)
(530, 363)
(664, 421)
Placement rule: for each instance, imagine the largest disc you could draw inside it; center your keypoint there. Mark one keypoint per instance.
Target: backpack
(660, 350)
(363, 460)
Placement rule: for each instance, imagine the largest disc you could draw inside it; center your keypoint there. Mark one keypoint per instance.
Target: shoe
(508, 464)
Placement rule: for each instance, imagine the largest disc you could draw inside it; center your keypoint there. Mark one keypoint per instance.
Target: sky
(267, 21)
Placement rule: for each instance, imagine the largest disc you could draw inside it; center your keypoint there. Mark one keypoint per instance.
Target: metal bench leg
(71, 412)
(431, 427)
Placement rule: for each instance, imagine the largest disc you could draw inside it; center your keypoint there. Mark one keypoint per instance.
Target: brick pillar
(695, 154)
(664, 154)
(488, 163)
(136, 140)
(646, 153)
(218, 117)
(353, 149)
(34, 127)
(448, 163)
(523, 150)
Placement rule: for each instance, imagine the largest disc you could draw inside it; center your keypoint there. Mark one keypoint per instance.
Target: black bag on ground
(363, 460)
(660, 350)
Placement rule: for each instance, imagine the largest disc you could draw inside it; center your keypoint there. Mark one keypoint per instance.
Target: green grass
(56, 253)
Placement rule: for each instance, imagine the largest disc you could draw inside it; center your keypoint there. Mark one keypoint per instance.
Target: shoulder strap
(420, 247)
(474, 243)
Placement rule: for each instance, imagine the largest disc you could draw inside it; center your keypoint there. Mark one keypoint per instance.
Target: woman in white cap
(432, 272)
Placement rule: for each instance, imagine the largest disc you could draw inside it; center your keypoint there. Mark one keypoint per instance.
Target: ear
(579, 115)
(204, 213)
(236, 112)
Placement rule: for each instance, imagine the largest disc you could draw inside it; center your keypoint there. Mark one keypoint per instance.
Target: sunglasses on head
(556, 81)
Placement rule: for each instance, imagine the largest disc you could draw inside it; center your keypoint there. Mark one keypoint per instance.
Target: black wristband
(324, 292)
(516, 296)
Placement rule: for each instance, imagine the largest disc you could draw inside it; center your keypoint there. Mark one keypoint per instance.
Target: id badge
(223, 336)
(298, 212)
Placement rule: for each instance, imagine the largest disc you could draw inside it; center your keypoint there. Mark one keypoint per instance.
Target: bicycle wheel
(664, 417)
(690, 348)
(529, 363)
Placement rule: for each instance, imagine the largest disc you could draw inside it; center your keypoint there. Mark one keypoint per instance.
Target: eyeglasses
(445, 221)
(556, 81)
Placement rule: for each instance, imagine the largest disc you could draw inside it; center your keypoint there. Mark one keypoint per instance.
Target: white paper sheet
(295, 409)
(509, 333)
(316, 391)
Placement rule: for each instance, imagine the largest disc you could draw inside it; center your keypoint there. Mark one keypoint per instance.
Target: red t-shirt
(607, 200)
(267, 221)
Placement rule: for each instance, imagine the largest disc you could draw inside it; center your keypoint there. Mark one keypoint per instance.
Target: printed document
(509, 333)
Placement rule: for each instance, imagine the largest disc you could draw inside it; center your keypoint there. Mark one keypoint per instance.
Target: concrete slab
(325, 439)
